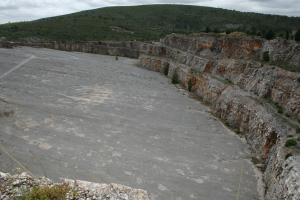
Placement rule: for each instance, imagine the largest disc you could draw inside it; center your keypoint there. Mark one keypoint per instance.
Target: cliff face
(243, 93)
(232, 104)
(125, 49)
(237, 48)
(264, 80)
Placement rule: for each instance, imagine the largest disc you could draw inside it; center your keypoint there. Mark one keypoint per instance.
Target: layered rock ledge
(243, 93)
(125, 49)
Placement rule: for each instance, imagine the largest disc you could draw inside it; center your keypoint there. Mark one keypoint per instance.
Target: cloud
(26, 10)
(8, 7)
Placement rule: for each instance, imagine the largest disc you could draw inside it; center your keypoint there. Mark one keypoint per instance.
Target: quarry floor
(93, 118)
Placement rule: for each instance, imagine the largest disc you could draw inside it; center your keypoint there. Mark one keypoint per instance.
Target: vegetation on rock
(46, 192)
(266, 56)
(288, 155)
(166, 69)
(290, 143)
(190, 85)
(297, 35)
(175, 79)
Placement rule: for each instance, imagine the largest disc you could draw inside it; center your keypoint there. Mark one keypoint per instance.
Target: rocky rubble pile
(12, 186)
(4, 43)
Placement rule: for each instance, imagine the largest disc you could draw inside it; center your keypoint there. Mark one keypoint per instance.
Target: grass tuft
(290, 143)
(288, 155)
(46, 192)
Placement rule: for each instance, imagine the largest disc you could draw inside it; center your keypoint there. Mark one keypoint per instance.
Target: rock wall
(285, 52)
(124, 49)
(234, 87)
(264, 80)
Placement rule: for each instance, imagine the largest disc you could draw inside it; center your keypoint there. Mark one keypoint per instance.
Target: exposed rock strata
(265, 80)
(12, 186)
(125, 49)
(210, 73)
(237, 47)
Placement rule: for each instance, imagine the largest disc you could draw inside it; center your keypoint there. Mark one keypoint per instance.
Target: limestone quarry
(192, 155)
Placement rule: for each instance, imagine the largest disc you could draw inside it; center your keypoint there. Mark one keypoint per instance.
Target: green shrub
(287, 35)
(117, 57)
(280, 111)
(288, 155)
(46, 192)
(279, 107)
(298, 129)
(207, 30)
(290, 142)
(270, 35)
(175, 79)
(264, 168)
(166, 69)
(266, 56)
(287, 115)
(297, 35)
(228, 31)
(229, 81)
(24, 194)
(190, 85)
(290, 135)
(298, 79)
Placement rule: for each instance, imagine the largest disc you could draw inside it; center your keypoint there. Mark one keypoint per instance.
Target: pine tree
(297, 35)
(270, 35)
(287, 35)
(207, 30)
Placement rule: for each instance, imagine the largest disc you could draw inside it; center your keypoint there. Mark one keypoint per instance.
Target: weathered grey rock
(124, 49)
(5, 44)
(265, 133)
(267, 81)
(86, 190)
(230, 47)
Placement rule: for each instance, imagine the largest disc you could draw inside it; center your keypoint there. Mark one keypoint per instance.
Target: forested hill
(142, 23)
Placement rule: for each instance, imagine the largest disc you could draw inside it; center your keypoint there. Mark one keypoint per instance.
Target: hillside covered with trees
(147, 22)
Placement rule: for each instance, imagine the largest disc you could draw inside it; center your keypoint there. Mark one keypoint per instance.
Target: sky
(27, 10)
